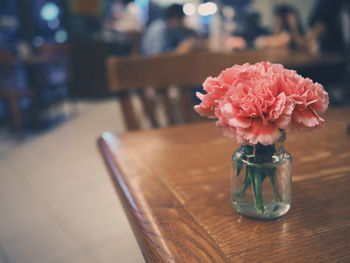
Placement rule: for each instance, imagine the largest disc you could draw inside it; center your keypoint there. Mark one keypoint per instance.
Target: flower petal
(307, 117)
(259, 133)
(204, 112)
(283, 121)
(227, 131)
(240, 122)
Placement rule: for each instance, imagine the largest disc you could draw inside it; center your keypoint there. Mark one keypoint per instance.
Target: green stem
(239, 167)
(241, 192)
(246, 150)
(255, 177)
(276, 194)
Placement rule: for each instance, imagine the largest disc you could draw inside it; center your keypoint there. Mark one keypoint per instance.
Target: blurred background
(56, 201)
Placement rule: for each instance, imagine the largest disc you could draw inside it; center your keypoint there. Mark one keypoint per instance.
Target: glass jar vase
(261, 180)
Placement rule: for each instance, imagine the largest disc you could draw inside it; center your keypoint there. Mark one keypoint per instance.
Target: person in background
(330, 33)
(245, 35)
(287, 31)
(169, 34)
(325, 32)
(155, 11)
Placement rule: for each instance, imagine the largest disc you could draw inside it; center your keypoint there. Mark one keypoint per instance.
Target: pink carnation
(253, 102)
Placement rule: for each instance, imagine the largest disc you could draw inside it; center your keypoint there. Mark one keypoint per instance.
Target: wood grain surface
(174, 184)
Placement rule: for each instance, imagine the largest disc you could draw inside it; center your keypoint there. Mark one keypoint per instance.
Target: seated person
(287, 31)
(245, 35)
(169, 34)
(329, 33)
(325, 32)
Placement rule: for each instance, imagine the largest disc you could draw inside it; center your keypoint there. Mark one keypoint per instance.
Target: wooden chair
(133, 75)
(12, 95)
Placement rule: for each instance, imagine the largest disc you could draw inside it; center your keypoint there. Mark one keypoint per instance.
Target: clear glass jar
(261, 180)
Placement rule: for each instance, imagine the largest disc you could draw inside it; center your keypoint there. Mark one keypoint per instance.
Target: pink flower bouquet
(254, 104)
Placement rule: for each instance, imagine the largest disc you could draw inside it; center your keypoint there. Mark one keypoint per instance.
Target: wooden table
(174, 184)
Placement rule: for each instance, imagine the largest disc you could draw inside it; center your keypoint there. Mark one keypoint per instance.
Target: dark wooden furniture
(12, 94)
(89, 67)
(49, 55)
(133, 74)
(130, 76)
(174, 184)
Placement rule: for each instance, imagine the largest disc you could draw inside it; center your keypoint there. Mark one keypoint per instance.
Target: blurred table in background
(174, 184)
(290, 59)
(39, 80)
(89, 64)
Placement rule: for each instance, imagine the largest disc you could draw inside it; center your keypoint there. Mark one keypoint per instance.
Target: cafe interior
(93, 91)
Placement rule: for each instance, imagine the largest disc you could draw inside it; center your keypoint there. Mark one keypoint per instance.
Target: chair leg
(16, 114)
(36, 110)
(187, 105)
(129, 113)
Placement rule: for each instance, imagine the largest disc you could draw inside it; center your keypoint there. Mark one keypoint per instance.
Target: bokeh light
(189, 9)
(207, 9)
(49, 11)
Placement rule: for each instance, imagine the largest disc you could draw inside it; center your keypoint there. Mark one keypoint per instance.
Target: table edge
(121, 185)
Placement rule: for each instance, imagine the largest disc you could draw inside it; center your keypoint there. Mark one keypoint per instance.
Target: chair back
(162, 73)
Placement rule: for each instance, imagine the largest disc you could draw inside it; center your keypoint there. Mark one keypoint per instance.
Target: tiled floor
(57, 203)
